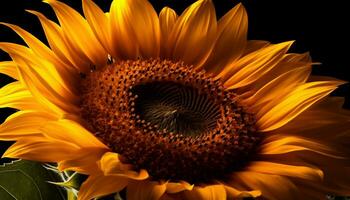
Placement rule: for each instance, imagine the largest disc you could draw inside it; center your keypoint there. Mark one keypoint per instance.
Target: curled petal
(85, 161)
(212, 192)
(233, 193)
(172, 187)
(112, 166)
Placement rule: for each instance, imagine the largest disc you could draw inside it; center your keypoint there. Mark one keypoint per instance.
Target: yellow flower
(173, 107)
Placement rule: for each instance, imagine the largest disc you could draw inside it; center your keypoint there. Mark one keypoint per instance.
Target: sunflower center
(170, 119)
(176, 108)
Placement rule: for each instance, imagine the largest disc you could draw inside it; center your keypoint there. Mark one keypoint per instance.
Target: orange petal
(60, 45)
(231, 39)
(288, 63)
(98, 185)
(135, 29)
(24, 124)
(279, 86)
(41, 65)
(39, 149)
(85, 161)
(251, 67)
(272, 187)
(145, 190)
(71, 131)
(293, 104)
(172, 187)
(287, 144)
(211, 192)
(167, 20)
(15, 95)
(194, 33)
(301, 172)
(233, 193)
(99, 23)
(112, 166)
(79, 33)
(255, 45)
(9, 68)
(41, 50)
(42, 79)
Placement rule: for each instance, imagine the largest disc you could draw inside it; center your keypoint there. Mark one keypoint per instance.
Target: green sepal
(73, 181)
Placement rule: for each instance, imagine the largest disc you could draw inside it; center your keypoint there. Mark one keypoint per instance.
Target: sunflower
(173, 107)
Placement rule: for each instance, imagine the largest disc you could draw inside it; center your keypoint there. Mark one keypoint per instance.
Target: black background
(317, 26)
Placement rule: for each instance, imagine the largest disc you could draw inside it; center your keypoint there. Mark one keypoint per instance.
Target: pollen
(176, 122)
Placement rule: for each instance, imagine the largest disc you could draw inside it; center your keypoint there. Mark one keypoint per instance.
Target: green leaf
(23, 180)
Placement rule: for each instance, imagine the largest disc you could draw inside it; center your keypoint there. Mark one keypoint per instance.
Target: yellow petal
(278, 87)
(327, 116)
(176, 187)
(44, 52)
(251, 67)
(24, 56)
(39, 149)
(233, 193)
(24, 124)
(135, 29)
(42, 80)
(79, 33)
(60, 45)
(99, 24)
(145, 190)
(231, 39)
(71, 131)
(167, 20)
(9, 68)
(288, 63)
(255, 45)
(301, 172)
(41, 50)
(277, 144)
(211, 192)
(15, 95)
(293, 104)
(272, 187)
(194, 34)
(112, 166)
(85, 161)
(98, 185)
(27, 54)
